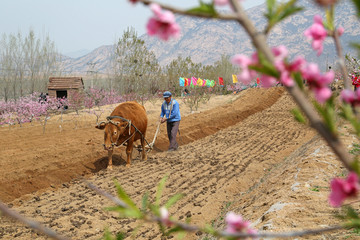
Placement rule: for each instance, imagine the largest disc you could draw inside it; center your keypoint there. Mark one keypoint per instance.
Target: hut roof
(58, 83)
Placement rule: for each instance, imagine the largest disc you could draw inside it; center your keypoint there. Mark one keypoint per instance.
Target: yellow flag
(235, 80)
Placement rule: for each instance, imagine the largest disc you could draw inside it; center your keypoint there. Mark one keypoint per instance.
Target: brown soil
(243, 153)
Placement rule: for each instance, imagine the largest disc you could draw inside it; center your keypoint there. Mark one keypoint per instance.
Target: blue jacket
(175, 111)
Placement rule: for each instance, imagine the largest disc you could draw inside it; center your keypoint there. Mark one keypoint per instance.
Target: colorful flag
(186, 82)
(221, 81)
(199, 82)
(235, 80)
(193, 81)
(207, 83)
(212, 83)
(182, 82)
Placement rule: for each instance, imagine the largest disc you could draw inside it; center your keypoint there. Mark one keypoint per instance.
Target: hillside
(206, 40)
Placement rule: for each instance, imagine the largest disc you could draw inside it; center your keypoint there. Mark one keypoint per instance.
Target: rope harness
(130, 124)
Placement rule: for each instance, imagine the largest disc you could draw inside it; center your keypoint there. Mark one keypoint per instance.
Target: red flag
(186, 82)
(221, 81)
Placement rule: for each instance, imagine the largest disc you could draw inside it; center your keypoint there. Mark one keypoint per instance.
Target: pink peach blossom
(162, 23)
(236, 224)
(343, 188)
(221, 2)
(164, 215)
(348, 96)
(351, 97)
(340, 31)
(280, 52)
(322, 94)
(267, 81)
(243, 61)
(318, 82)
(317, 33)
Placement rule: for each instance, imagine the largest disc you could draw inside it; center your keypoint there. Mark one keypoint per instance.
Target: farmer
(170, 113)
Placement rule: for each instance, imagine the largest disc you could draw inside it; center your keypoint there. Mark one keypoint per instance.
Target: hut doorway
(61, 94)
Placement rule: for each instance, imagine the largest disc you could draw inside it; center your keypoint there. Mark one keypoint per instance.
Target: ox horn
(100, 123)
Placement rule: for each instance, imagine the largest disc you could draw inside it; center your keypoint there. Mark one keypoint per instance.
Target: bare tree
(135, 68)
(26, 64)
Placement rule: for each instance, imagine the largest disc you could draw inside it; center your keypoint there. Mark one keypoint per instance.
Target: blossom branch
(116, 200)
(230, 17)
(193, 228)
(339, 51)
(32, 224)
(298, 96)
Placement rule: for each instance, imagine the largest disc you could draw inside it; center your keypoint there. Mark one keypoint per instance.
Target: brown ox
(126, 124)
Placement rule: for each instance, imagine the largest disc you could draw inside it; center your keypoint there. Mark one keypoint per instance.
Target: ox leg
(143, 152)
(129, 149)
(110, 154)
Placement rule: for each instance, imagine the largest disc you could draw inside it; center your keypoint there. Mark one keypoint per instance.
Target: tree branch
(298, 96)
(228, 17)
(339, 51)
(192, 228)
(32, 224)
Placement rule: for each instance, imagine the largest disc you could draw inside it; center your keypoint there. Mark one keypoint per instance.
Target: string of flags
(193, 81)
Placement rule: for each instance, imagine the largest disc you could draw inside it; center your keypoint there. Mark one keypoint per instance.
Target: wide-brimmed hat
(166, 94)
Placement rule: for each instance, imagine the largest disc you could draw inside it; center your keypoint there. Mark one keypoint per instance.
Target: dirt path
(225, 151)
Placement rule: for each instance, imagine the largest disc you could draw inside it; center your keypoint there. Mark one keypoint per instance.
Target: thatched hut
(60, 87)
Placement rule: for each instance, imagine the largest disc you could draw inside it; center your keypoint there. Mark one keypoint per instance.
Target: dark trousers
(172, 129)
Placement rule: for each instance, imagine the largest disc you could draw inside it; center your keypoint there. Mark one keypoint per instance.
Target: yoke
(130, 124)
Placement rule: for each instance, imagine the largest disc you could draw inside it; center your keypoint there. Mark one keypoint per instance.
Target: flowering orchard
(33, 108)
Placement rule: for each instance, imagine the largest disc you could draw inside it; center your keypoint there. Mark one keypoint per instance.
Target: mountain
(97, 60)
(206, 40)
(79, 53)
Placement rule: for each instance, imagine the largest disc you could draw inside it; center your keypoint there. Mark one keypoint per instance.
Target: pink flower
(221, 2)
(317, 33)
(351, 97)
(322, 94)
(267, 81)
(164, 215)
(280, 52)
(162, 23)
(318, 82)
(236, 224)
(298, 64)
(340, 31)
(343, 188)
(243, 61)
(285, 68)
(348, 96)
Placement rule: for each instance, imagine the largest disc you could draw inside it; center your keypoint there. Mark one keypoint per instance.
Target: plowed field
(243, 153)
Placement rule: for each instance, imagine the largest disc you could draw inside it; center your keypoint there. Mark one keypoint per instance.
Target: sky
(76, 25)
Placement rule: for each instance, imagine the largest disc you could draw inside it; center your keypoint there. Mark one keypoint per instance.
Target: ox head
(112, 131)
